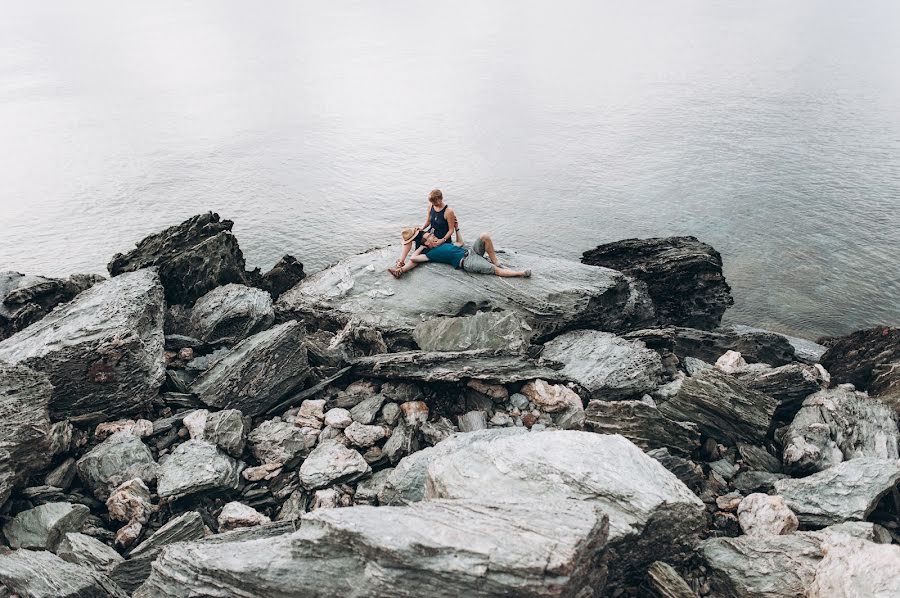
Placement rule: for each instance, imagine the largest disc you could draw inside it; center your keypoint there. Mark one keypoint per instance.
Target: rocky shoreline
(189, 427)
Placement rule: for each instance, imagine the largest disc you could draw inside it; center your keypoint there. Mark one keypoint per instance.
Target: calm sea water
(769, 129)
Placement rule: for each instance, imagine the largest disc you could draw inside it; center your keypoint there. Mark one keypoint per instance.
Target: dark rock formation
(853, 358)
(103, 351)
(282, 277)
(708, 345)
(643, 425)
(789, 384)
(683, 276)
(25, 299)
(193, 257)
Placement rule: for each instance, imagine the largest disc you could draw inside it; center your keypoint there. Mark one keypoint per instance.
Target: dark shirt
(448, 253)
(439, 225)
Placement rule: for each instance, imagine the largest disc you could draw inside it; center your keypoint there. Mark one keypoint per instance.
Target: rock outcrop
(755, 346)
(562, 295)
(853, 358)
(103, 351)
(683, 275)
(25, 299)
(231, 313)
(284, 275)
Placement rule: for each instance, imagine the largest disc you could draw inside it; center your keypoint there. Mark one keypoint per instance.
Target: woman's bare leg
(489, 248)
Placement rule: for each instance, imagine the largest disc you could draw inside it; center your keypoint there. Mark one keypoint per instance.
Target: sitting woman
(432, 249)
(440, 220)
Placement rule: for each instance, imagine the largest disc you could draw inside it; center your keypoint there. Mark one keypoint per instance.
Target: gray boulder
(847, 491)
(332, 463)
(119, 458)
(853, 567)
(505, 331)
(41, 574)
(790, 384)
(87, 551)
(280, 442)
(228, 430)
(44, 526)
(231, 313)
(722, 408)
(192, 258)
(643, 425)
(103, 351)
(560, 296)
(197, 466)
(258, 372)
(652, 515)
(25, 299)
(378, 551)
(24, 426)
(838, 425)
(607, 366)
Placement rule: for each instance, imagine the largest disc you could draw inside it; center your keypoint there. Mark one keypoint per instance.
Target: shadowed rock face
(683, 276)
(103, 351)
(855, 357)
(192, 257)
(561, 295)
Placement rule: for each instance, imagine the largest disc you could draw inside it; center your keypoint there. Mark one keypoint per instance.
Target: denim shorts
(475, 262)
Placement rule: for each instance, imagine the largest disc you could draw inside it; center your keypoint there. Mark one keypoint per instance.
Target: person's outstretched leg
(503, 272)
(488, 245)
(412, 263)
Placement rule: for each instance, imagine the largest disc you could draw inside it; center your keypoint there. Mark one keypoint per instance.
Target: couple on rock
(433, 244)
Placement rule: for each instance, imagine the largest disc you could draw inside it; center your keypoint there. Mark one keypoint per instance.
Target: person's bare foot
(395, 272)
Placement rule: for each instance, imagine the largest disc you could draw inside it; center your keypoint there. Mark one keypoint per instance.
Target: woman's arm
(451, 222)
(403, 255)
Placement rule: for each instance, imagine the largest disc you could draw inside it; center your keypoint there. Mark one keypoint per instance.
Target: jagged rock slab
(117, 459)
(231, 313)
(664, 582)
(25, 299)
(41, 574)
(280, 442)
(854, 567)
(197, 466)
(438, 549)
(690, 474)
(790, 384)
(848, 491)
(607, 366)
(24, 426)
(853, 358)
(886, 381)
(44, 526)
(192, 257)
(683, 275)
(805, 350)
(284, 275)
(501, 331)
(643, 425)
(103, 351)
(330, 463)
(87, 551)
(722, 408)
(258, 372)
(652, 515)
(755, 346)
(453, 367)
(561, 295)
(837, 425)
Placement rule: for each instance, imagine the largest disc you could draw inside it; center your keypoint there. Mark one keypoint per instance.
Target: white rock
(236, 514)
(731, 362)
(338, 418)
(855, 568)
(765, 515)
(195, 422)
(364, 436)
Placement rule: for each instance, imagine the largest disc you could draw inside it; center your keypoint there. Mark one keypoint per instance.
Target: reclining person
(432, 249)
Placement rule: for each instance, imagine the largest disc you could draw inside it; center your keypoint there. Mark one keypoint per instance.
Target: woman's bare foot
(395, 272)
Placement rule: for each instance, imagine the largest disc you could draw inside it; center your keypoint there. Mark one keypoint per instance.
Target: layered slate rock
(854, 567)
(258, 372)
(848, 491)
(722, 408)
(790, 384)
(284, 275)
(24, 426)
(838, 425)
(231, 313)
(607, 366)
(643, 425)
(755, 346)
(25, 299)
(562, 295)
(436, 548)
(652, 515)
(852, 358)
(81, 549)
(197, 466)
(192, 258)
(44, 526)
(41, 574)
(683, 275)
(805, 350)
(663, 581)
(103, 351)
(501, 331)
(119, 458)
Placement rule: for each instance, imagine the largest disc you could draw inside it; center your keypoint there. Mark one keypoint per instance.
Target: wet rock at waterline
(755, 346)
(854, 358)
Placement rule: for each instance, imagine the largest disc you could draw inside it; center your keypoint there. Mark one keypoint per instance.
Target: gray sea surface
(769, 129)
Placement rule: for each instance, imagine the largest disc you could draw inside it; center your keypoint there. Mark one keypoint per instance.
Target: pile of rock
(161, 434)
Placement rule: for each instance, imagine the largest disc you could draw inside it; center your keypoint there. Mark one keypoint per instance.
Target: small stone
(472, 421)
(497, 392)
(519, 401)
(120, 457)
(197, 466)
(332, 462)
(731, 362)
(84, 550)
(373, 455)
(538, 427)
(140, 428)
(765, 515)
(362, 435)
(44, 526)
(729, 502)
(529, 420)
(500, 419)
(130, 501)
(60, 437)
(228, 429)
(403, 441)
(236, 514)
(401, 392)
(186, 354)
(415, 413)
(339, 419)
(195, 422)
(550, 398)
(438, 430)
(325, 499)
(727, 522)
(390, 413)
(279, 442)
(366, 411)
(311, 414)
(266, 471)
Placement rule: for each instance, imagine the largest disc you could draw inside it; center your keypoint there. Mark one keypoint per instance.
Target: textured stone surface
(643, 425)
(227, 429)
(805, 350)
(120, 457)
(506, 331)
(103, 351)
(131, 503)
(848, 491)
(765, 515)
(836, 425)
(362, 435)
(683, 276)
(664, 582)
(652, 515)
(258, 372)
(231, 313)
(722, 408)
(25, 299)
(283, 276)
(607, 366)
(89, 552)
(24, 426)
(561, 295)
(44, 526)
(854, 567)
(192, 257)
(280, 442)
(40, 574)
(755, 346)
(236, 514)
(331, 463)
(197, 466)
(439, 549)
(790, 384)
(853, 358)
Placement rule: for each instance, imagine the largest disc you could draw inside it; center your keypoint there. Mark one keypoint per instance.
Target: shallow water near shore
(767, 129)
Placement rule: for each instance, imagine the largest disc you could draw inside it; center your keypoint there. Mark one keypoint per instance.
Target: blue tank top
(448, 253)
(439, 225)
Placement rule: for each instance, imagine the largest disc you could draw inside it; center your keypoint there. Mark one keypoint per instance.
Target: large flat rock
(437, 549)
(561, 295)
(652, 514)
(42, 574)
(103, 351)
